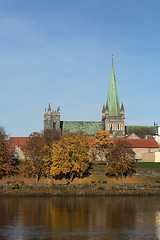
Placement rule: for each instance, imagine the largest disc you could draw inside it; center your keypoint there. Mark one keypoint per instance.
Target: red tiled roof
(140, 143)
(17, 141)
(136, 143)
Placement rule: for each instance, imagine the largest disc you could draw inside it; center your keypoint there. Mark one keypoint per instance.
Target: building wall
(18, 154)
(115, 124)
(140, 151)
(157, 138)
(151, 157)
(52, 119)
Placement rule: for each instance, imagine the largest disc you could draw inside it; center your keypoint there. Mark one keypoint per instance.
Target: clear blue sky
(60, 51)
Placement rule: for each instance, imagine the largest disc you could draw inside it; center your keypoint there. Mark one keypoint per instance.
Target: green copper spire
(112, 100)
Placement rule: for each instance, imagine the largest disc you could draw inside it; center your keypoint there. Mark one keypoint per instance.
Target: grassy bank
(138, 166)
(97, 183)
(21, 189)
(96, 179)
(90, 186)
(147, 166)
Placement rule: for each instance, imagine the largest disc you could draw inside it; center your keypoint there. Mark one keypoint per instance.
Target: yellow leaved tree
(70, 157)
(34, 164)
(100, 146)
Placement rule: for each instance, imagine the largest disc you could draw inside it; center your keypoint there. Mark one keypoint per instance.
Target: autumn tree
(51, 136)
(121, 161)
(100, 145)
(7, 165)
(34, 164)
(70, 157)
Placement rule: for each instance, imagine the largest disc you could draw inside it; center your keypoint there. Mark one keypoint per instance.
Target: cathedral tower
(112, 113)
(52, 119)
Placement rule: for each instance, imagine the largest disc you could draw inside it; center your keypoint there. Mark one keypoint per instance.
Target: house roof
(132, 136)
(17, 141)
(140, 143)
(136, 143)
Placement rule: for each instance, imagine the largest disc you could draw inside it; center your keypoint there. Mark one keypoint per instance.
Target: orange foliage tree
(51, 136)
(70, 157)
(34, 164)
(121, 159)
(7, 165)
(100, 145)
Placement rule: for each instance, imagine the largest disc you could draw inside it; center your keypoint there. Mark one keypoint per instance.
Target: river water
(80, 218)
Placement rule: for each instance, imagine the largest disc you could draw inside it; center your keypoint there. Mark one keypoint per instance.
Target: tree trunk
(38, 176)
(122, 176)
(71, 178)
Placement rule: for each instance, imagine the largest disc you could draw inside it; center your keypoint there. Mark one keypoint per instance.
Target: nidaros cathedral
(113, 116)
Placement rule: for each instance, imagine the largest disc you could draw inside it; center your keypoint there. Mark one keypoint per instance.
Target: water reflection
(80, 218)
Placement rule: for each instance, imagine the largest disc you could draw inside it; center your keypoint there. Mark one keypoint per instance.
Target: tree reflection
(77, 217)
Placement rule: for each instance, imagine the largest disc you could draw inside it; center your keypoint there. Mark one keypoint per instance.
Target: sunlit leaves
(70, 156)
(100, 145)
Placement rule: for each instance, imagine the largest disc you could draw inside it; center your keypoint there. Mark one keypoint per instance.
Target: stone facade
(52, 119)
(114, 124)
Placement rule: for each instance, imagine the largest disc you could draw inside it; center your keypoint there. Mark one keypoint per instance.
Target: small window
(54, 125)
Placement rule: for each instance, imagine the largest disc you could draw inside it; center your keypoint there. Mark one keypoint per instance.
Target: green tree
(70, 157)
(143, 131)
(121, 161)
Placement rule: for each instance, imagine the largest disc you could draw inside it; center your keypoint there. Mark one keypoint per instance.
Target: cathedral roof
(88, 127)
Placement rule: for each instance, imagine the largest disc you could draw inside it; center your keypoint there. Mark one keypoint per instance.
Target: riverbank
(93, 185)
(21, 189)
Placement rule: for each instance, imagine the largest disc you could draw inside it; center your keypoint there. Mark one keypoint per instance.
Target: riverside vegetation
(53, 161)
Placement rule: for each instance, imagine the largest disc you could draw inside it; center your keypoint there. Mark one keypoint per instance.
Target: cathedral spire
(112, 100)
(112, 59)
(49, 108)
